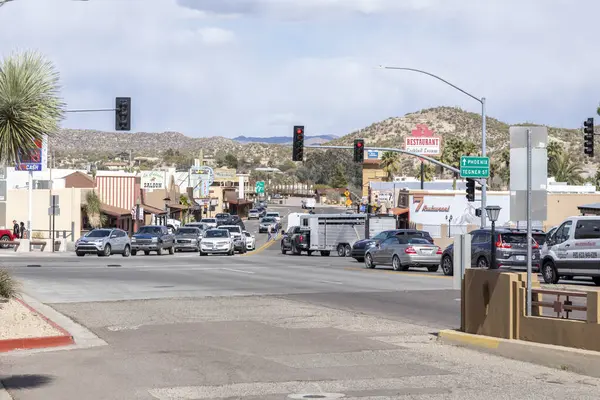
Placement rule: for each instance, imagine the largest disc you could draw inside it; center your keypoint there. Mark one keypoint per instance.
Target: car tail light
(439, 250)
(536, 245)
(410, 250)
(300, 238)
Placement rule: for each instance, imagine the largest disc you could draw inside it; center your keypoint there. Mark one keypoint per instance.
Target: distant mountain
(285, 139)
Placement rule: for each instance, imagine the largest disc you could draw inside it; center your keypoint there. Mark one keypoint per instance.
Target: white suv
(573, 249)
(274, 215)
(239, 239)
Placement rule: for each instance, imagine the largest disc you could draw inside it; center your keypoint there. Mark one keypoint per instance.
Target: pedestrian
(22, 232)
(270, 233)
(15, 228)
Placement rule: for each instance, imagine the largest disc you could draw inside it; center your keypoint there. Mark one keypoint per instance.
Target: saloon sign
(422, 141)
(153, 180)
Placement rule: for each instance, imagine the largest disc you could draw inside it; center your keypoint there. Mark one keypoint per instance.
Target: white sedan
(250, 241)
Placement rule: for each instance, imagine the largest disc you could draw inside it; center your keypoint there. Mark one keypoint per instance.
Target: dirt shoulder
(20, 322)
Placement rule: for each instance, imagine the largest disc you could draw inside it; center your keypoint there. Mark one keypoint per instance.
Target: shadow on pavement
(16, 382)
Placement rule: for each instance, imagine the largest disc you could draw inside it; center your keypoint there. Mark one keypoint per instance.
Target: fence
(442, 231)
(47, 234)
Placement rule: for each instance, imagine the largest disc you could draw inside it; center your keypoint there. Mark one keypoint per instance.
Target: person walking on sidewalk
(22, 232)
(15, 228)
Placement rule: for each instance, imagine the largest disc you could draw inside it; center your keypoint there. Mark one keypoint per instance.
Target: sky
(258, 67)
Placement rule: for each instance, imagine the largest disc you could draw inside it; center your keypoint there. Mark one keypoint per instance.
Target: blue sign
(372, 154)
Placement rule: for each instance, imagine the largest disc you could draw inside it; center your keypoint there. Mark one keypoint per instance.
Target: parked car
(274, 214)
(250, 241)
(6, 235)
(104, 242)
(239, 239)
(360, 247)
(153, 238)
(223, 219)
(511, 250)
(216, 241)
(267, 222)
(210, 222)
(254, 214)
(573, 250)
(403, 252)
(188, 238)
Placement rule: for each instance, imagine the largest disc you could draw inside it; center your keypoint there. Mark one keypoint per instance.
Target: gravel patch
(18, 322)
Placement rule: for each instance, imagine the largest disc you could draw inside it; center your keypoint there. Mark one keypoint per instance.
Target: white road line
(332, 282)
(237, 270)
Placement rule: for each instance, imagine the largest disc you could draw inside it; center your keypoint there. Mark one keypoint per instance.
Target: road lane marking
(237, 270)
(332, 282)
(262, 248)
(383, 271)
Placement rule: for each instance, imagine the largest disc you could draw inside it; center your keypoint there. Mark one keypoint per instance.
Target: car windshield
(217, 233)
(271, 214)
(187, 231)
(380, 236)
(247, 234)
(153, 230)
(235, 229)
(254, 210)
(514, 238)
(98, 233)
(222, 216)
(540, 238)
(209, 220)
(267, 220)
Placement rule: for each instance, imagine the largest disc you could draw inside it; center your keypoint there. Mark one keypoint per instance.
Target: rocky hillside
(449, 122)
(446, 122)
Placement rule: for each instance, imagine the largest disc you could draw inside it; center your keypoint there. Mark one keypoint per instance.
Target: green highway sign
(260, 187)
(474, 167)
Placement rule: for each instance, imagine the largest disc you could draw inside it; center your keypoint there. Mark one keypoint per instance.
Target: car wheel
(433, 268)
(447, 266)
(348, 250)
(80, 253)
(126, 251)
(231, 252)
(369, 263)
(107, 251)
(549, 273)
(341, 250)
(4, 238)
(283, 250)
(483, 263)
(171, 250)
(159, 251)
(397, 265)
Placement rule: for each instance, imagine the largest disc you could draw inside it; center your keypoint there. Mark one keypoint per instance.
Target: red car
(6, 235)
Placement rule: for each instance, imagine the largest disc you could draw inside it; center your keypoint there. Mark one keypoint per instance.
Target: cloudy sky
(257, 67)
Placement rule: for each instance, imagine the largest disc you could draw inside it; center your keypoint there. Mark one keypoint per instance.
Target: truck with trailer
(331, 232)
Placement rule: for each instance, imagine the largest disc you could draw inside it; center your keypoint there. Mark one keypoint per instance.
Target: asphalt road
(260, 326)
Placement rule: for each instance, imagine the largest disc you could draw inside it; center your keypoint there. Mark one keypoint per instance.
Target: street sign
(54, 210)
(260, 187)
(347, 194)
(54, 200)
(348, 203)
(474, 167)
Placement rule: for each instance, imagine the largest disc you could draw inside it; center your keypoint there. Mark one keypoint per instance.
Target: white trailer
(334, 232)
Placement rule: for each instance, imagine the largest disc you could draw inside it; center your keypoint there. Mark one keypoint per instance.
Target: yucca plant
(9, 288)
(93, 209)
(30, 106)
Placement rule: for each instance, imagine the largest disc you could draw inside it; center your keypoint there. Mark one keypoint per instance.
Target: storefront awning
(399, 211)
(114, 211)
(152, 210)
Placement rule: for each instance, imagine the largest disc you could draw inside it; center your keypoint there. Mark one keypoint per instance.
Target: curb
(580, 361)
(37, 342)
(4, 395)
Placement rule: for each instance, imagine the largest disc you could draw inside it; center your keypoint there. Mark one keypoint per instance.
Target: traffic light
(588, 137)
(359, 150)
(123, 114)
(470, 190)
(298, 144)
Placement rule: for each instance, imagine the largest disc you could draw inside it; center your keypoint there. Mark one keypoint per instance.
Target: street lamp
(492, 213)
(483, 124)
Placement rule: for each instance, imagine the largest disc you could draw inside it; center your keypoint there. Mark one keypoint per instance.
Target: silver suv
(104, 242)
(573, 250)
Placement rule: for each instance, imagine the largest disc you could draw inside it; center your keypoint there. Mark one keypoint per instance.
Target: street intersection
(259, 326)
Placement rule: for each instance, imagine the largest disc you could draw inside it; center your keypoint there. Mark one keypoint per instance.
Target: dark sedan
(359, 248)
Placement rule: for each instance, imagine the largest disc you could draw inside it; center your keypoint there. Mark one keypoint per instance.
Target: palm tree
(390, 164)
(30, 106)
(564, 169)
(428, 172)
(185, 201)
(93, 210)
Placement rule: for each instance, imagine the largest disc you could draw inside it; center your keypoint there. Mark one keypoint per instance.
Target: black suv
(359, 248)
(511, 249)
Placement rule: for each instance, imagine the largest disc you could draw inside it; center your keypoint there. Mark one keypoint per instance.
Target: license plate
(520, 258)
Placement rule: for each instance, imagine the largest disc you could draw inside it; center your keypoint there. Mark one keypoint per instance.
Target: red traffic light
(299, 131)
(359, 144)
